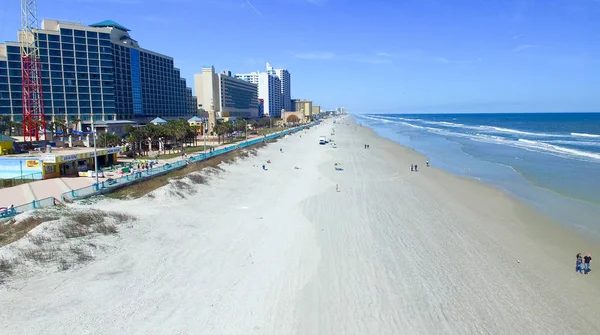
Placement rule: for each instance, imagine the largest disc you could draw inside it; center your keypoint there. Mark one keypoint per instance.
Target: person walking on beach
(578, 263)
(412, 167)
(416, 168)
(586, 263)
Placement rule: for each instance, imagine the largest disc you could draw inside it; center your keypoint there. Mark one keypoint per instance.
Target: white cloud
(254, 8)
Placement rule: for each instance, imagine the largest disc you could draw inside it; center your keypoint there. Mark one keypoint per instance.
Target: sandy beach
(282, 252)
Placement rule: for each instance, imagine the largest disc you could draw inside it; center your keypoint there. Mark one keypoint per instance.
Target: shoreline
(282, 251)
(551, 221)
(583, 232)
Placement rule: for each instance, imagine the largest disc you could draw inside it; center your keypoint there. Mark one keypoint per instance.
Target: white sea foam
(585, 135)
(557, 150)
(578, 143)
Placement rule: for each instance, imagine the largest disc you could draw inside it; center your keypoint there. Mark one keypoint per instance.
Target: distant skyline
(387, 56)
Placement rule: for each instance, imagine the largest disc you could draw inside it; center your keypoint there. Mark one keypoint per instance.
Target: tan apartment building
(316, 110)
(229, 97)
(304, 106)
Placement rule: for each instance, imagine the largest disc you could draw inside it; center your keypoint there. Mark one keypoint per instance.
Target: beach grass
(145, 187)
(14, 230)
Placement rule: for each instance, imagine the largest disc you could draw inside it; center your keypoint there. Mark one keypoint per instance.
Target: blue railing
(35, 204)
(10, 182)
(106, 186)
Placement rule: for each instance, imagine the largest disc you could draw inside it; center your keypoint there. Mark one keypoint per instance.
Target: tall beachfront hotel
(285, 78)
(96, 72)
(273, 88)
(226, 95)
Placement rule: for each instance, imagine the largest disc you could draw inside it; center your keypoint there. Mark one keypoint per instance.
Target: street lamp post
(204, 130)
(95, 154)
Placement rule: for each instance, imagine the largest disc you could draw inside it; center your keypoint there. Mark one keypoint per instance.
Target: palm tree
(292, 119)
(61, 125)
(75, 122)
(108, 139)
(219, 129)
(4, 123)
(178, 130)
(14, 126)
(153, 131)
(134, 137)
(53, 126)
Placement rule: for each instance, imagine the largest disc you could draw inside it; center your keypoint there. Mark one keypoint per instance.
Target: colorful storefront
(55, 165)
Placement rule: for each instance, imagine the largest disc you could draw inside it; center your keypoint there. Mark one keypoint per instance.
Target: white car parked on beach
(322, 140)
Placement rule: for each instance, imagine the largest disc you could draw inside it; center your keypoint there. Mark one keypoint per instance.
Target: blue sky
(374, 56)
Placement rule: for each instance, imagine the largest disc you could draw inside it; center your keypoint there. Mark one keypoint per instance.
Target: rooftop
(109, 23)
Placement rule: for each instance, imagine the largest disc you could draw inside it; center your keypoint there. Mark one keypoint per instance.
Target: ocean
(549, 160)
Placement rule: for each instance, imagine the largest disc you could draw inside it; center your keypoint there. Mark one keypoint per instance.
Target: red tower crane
(34, 121)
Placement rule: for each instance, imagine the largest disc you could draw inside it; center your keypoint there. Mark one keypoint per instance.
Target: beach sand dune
(282, 252)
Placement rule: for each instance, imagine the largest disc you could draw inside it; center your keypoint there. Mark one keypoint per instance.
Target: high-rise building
(285, 78)
(96, 72)
(269, 90)
(272, 98)
(229, 96)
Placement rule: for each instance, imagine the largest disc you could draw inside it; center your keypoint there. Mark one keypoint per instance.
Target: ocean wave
(585, 135)
(555, 149)
(519, 132)
(386, 120)
(480, 128)
(579, 143)
(489, 134)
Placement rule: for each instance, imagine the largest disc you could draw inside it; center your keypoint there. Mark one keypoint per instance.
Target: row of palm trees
(141, 138)
(9, 127)
(178, 132)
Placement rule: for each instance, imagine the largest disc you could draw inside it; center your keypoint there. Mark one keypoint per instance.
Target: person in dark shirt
(578, 263)
(586, 263)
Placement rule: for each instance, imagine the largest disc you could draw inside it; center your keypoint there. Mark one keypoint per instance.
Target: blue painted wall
(12, 167)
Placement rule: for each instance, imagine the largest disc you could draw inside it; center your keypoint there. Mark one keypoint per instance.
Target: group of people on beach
(415, 167)
(367, 146)
(582, 264)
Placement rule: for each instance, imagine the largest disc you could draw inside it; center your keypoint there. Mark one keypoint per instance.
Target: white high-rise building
(271, 87)
(269, 90)
(284, 77)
